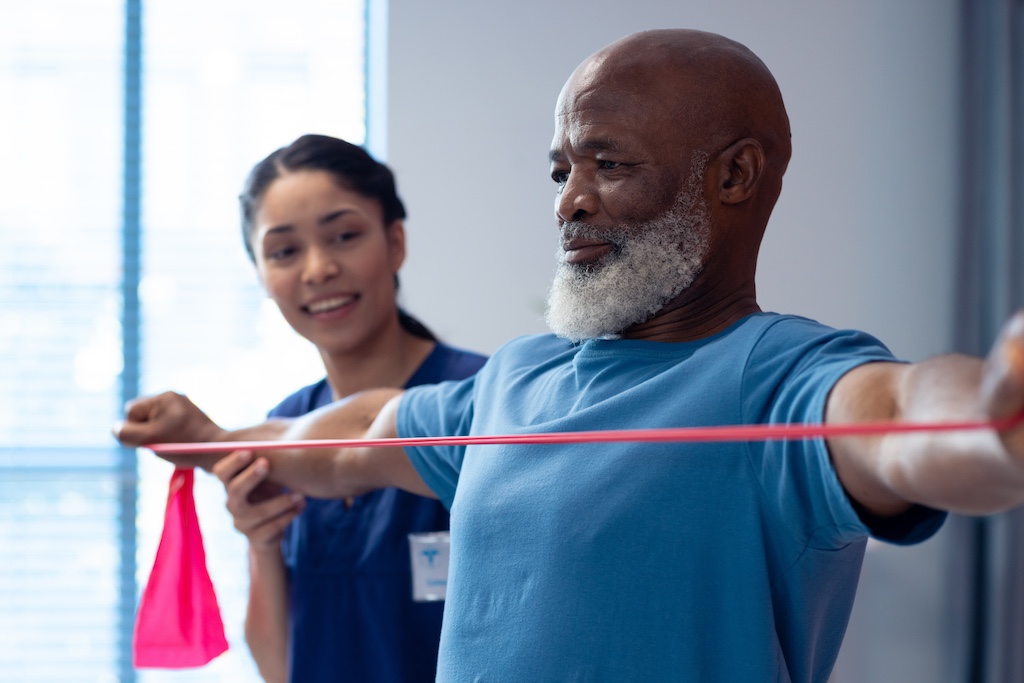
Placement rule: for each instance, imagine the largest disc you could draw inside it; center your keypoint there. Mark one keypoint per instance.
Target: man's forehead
(590, 141)
(607, 119)
(603, 87)
(596, 86)
(608, 111)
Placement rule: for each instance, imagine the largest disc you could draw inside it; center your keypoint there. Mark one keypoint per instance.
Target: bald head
(712, 89)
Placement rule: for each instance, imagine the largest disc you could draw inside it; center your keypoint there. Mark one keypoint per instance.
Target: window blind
(221, 85)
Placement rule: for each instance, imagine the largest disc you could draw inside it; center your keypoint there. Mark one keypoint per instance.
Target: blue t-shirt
(350, 607)
(648, 562)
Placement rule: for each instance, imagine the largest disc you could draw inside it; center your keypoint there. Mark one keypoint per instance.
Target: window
(220, 86)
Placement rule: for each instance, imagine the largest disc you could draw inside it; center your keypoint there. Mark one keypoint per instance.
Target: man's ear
(741, 166)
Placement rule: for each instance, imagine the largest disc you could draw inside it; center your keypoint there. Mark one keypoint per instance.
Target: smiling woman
(324, 226)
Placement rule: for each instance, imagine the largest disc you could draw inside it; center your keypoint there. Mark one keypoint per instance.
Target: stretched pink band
(764, 432)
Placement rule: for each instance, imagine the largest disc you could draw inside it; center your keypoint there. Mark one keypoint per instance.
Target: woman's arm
(262, 512)
(266, 614)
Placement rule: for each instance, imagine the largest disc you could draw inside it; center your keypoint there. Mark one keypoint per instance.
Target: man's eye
(560, 177)
(609, 165)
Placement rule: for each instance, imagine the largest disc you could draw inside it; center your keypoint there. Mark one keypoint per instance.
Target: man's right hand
(165, 418)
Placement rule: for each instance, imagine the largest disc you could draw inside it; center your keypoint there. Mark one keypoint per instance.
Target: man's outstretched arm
(317, 472)
(976, 472)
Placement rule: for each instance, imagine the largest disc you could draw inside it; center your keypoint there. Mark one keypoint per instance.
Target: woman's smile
(329, 309)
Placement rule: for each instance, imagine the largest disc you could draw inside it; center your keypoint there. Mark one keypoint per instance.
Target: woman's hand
(261, 510)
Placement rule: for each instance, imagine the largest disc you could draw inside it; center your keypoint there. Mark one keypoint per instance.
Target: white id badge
(429, 555)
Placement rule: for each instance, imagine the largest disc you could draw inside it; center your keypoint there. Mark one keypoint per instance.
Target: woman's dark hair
(351, 166)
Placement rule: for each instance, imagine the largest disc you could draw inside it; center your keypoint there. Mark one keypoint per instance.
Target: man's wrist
(216, 433)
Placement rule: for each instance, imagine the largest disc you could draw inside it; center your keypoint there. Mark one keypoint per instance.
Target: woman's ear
(395, 234)
(741, 168)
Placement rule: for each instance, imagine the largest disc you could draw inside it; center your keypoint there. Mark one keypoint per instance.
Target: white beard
(650, 264)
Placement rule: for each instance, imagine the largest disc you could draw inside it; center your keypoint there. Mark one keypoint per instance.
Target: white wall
(862, 236)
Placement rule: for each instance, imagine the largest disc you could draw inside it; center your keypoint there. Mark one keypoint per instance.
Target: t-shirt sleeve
(792, 371)
(444, 409)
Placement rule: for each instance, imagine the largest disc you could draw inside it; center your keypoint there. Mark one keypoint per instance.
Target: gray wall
(862, 237)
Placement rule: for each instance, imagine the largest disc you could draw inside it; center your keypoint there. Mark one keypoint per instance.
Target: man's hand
(165, 418)
(1002, 382)
(261, 510)
(168, 418)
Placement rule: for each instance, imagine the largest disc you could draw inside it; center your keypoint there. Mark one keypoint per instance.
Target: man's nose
(578, 198)
(320, 265)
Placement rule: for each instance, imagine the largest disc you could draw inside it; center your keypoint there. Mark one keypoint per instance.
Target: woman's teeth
(329, 304)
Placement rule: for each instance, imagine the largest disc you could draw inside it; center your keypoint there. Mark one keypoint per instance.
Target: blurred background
(127, 127)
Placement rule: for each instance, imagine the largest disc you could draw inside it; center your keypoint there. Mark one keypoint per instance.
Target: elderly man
(620, 562)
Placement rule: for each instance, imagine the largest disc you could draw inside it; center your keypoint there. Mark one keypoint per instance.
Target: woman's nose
(320, 266)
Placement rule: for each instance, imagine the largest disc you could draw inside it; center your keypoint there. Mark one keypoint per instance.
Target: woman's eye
(347, 236)
(280, 254)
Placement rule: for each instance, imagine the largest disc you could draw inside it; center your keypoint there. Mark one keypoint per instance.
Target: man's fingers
(129, 434)
(127, 430)
(139, 415)
(1004, 377)
(1013, 347)
(141, 409)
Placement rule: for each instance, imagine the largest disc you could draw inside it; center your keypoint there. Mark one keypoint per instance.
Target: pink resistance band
(178, 624)
(765, 432)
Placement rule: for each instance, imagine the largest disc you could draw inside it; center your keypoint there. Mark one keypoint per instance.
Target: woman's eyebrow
(328, 217)
(287, 227)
